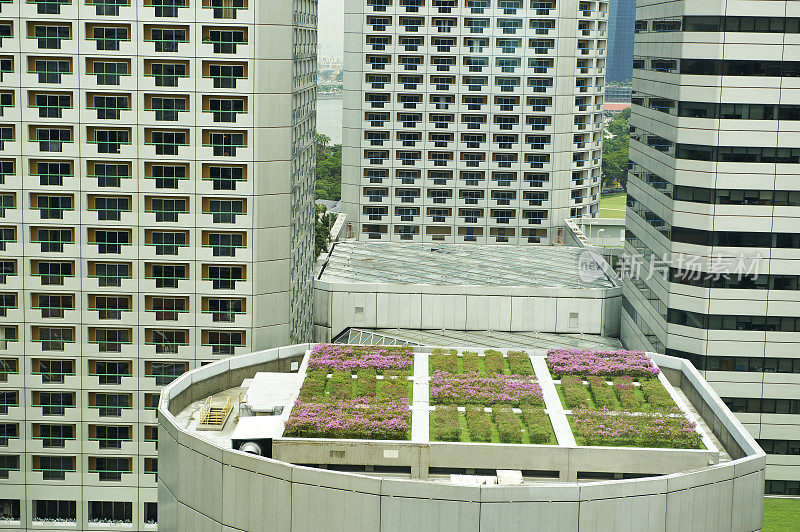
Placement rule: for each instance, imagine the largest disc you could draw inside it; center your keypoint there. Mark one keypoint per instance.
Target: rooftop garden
(354, 392)
(486, 397)
(615, 398)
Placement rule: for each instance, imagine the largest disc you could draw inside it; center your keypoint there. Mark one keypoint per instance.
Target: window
(224, 144)
(224, 244)
(9, 510)
(54, 403)
(8, 399)
(166, 372)
(167, 209)
(109, 140)
(110, 307)
(51, 510)
(53, 436)
(167, 308)
(110, 512)
(225, 109)
(7, 201)
(109, 37)
(168, 275)
(225, 75)
(52, 172)
(166, 341)
(167, 74)
(49, 36)
(108, 241)
(150, 511)
(52, 240)
(8, 235)
(8, 431)
(168, 242)
(225, 177)
(54, 467)
(167, 109)
(51, 105)
(53, 305)
(167, 39)
(224, 310)
(50, 71)
(6, 66)
(53, 273)
(225, 9)
(110, 274)
(52, 207)
(225, 41)
(225, 211)
(109, 72)
(167, 142)
(109, 175)
(108, 7)
(8, 366)
(224, 277)
(109, 207)
(109, 404)
(110, 107)
(223, 342)
(109, 340)
(7, 168)
(110, 468)
(8, 463)
(6, 135)
(110, 436)
(166, 176)
(52, 139)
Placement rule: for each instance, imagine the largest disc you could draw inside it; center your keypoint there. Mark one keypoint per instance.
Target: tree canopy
(615, 151)
(329, 169)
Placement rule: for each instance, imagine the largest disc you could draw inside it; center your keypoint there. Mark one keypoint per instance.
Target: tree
(615, 151)
(322, 229)
(329, 169)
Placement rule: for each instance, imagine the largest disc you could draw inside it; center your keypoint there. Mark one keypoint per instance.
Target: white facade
(471, 120)
(715, 132)
(157, 189)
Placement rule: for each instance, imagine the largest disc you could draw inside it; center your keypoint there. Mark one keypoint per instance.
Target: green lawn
(781, 514)
(613, 206)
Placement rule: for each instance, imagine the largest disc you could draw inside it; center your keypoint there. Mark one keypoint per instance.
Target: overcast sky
(331, 23)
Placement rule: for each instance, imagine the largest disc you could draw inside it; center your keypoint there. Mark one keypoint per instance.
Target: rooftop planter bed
(605, 363)
(634, 429)
(623, 393)
(489, 363)
(474, 389)
(354, 392)
(384, 360)
(500, 424)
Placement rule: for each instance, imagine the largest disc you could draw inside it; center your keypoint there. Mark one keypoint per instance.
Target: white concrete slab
(420, 408)
(553, 403)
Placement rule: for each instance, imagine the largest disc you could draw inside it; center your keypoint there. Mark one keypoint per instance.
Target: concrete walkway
(553, 403)
(420, 411)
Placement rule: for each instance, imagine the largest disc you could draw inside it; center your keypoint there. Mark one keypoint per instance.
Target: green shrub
(446, 426)
(313, 385)
(603, 393)
(520, 363)
(656, 395)
(479, 425)
(442, 360)
(537, 425)
(393, 389)
(507, 424)
(471, 362)
(341, 385)
(366, 382)
(493, 360)
(626, 392)
(575, 392)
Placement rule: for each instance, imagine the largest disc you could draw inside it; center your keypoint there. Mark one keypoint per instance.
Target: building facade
(714, 208)
(156, 182)
(620, 41)
(471, 120)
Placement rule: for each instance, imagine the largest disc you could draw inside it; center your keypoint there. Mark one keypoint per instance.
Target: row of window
(747, 364)
(165, 73)
(469, 234)
(220, 9)
(724, 111)
(53, 403)
(720, 67)
(56, 436)
(112, 307)
(165, 209)
(762, 406)
(108, 37)
(728, 281)
(729, 322)
(107, 512)
(112, 340)
(55, 467)
(112, 274)
(54, 371)
(711, 23)
(112, 175)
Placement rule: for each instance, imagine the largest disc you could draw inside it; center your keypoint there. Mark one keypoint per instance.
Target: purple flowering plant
(473, 389)
(636, 429)
(606, 363)
(333, 357)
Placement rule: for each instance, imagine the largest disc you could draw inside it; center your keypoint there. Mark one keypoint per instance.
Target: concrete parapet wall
(203, 487)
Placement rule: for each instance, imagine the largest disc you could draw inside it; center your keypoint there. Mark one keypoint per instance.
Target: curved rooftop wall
(203, 487)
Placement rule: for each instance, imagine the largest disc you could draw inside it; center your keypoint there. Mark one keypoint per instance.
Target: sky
(331, 23)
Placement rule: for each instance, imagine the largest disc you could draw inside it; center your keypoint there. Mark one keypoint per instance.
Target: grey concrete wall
(203, 487)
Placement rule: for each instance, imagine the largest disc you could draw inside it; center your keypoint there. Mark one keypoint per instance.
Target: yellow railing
(214, 415)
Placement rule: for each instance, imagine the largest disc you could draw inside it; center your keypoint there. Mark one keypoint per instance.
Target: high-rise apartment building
(156, 212)
(620, 40)
(471, 120)
(714, 203)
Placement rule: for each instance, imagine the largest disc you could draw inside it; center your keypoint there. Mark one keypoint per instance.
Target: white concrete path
(420, 410)
(553, 403)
